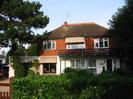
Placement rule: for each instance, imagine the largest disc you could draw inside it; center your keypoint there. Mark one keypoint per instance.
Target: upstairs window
(49, 45)
(101, 43)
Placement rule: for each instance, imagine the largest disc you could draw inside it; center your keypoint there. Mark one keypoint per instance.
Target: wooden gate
(6, 91)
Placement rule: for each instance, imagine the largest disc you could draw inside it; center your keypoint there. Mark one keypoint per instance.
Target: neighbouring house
(3, 66)
(83, 45)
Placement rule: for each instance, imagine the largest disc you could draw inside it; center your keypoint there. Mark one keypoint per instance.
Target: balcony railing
(91, 52)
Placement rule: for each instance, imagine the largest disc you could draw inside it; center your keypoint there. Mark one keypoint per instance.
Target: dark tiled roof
(76, 30)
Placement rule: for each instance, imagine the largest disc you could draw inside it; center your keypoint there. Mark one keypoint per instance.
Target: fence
(6, 91)
(5, 95)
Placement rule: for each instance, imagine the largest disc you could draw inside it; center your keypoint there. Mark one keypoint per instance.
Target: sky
(78, 11)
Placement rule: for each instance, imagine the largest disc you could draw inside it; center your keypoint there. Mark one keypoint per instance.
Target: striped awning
(75, 40)
(47, 59)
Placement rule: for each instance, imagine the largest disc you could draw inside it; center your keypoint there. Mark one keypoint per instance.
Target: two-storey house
(84, 45)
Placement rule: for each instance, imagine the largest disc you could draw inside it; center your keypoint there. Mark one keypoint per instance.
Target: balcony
(90, 52)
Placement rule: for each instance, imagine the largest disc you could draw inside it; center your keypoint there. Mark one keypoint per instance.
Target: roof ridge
(76, 24)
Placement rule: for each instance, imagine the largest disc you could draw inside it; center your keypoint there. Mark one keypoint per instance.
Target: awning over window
(47, 59)
(75, 40)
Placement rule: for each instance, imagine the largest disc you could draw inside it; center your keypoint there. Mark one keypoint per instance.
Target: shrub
(18, 66)
(73, 85)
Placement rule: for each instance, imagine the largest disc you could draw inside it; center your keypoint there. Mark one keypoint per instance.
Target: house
(83, 45)
(3, 66)
(2, 55)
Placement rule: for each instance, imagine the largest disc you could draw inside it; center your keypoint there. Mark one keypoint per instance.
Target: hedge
(73, 85)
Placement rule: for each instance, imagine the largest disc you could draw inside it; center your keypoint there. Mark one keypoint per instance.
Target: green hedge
(73, 85)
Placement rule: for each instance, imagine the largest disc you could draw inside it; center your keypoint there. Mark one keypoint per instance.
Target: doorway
(109, 64)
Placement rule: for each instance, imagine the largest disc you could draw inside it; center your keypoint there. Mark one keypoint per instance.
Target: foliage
(18, 66)
(35, 66)
(121, 27)
(111, 86)
(32, 50)
(18, 18)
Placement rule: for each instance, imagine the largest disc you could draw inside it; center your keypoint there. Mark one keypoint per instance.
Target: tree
(17, 19)
(121, 27)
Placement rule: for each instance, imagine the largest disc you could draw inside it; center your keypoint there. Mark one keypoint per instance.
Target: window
(101, 43)
(75, 46)
(90, 64)
(49, 68)
(78, 63)
(72, 63)
(49, 45)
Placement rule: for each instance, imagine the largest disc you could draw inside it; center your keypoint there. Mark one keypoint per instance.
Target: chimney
(65, 23)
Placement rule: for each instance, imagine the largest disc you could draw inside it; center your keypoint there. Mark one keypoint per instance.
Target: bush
(73, 85)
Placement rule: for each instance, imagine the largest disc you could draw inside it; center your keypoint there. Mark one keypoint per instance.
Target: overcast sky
(79, 11)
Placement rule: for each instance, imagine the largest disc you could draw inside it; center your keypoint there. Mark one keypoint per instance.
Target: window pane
(52, 45)
(91, 63)
(45, 44)
(49, 45)
(82, 63)
(72, 63)
(78, 63)
(106, 43)
(96, 44)
(101, 42)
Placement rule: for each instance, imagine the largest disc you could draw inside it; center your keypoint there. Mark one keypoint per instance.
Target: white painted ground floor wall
(100, 63)
(61, 64)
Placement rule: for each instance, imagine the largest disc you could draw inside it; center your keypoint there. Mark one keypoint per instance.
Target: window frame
(49, 45)
(97, 42)
(87, 63)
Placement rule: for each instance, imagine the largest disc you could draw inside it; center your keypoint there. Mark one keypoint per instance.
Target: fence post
(10, 79)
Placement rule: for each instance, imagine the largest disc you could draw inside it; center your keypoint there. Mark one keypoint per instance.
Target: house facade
(84, 45)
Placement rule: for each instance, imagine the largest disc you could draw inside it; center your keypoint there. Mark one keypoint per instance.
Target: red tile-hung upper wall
(112, 43)
(60, 45)
(89, 42)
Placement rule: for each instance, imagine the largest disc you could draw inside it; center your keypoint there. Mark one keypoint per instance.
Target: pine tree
(121, 27)
(17, 19)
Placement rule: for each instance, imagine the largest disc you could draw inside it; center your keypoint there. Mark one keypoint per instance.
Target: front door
(109, 64)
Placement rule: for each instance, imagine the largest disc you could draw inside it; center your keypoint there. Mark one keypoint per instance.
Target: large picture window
(49, 45)
(101, 43)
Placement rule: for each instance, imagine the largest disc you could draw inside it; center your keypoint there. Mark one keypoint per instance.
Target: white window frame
(52, 45)
(97, 42)
(86, 65)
